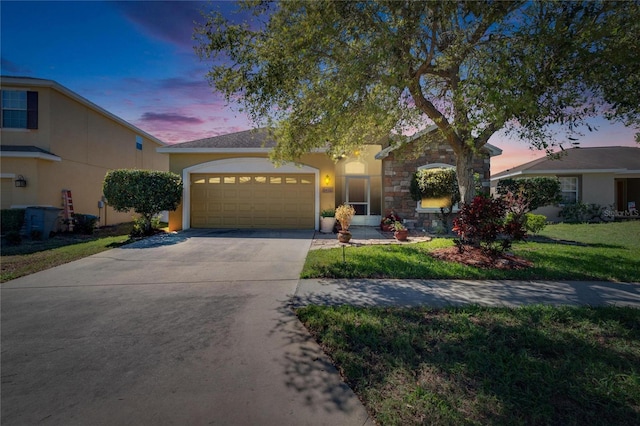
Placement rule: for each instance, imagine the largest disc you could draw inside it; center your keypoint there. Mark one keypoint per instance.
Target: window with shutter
(19, 109)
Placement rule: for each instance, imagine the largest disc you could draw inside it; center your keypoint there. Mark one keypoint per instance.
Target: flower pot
(401, 235)
(327, 224)
(344, 236)
(386, 227)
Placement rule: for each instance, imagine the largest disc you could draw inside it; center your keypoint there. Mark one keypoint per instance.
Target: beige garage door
(284, 201)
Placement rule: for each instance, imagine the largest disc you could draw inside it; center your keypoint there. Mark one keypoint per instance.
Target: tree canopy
(337, 75)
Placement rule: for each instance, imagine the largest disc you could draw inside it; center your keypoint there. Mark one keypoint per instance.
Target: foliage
(344, 215)
(538, 191)
(581, 212)
(337, 75)
(601, 252)
(328, 213)
(84, 223)
(399, 226)
(435, 183)
(535, 223)
(13, 238)
(146, 192)
(475, 365)
(389, 220)
(11, 219)
(482, 222)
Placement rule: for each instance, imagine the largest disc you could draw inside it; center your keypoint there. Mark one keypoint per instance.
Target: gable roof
(256, 140)
(605, 159)
(493, 150)
(28, 82)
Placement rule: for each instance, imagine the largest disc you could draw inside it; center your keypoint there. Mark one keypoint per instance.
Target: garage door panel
(258, 201)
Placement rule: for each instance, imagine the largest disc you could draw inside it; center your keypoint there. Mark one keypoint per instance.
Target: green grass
(607, 251)
(487, 366)
(34, 256)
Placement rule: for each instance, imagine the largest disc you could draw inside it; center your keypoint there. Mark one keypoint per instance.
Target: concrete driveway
(188, 329)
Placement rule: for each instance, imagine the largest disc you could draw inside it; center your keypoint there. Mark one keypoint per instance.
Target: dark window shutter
(32, 110)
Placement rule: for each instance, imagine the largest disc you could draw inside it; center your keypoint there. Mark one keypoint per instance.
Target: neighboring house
(231, 183)
(607, 176)
(52, 139)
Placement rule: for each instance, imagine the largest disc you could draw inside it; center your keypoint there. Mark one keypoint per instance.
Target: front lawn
(34, 256)
(606, 251)
(487, 366)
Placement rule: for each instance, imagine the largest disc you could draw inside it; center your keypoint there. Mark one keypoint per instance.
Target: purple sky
(136, 60)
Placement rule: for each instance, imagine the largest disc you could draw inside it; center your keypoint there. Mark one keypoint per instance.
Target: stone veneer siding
(398, 171)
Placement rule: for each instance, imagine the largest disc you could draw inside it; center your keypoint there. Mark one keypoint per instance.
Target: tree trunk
(464, 173)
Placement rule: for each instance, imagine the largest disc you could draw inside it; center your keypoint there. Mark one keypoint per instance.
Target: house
(231, 183)
(52, 139)
(606, 176)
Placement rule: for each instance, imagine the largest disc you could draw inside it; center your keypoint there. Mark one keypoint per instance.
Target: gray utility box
(41, 219)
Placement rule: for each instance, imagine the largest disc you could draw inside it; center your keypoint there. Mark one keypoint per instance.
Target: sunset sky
(136, 60)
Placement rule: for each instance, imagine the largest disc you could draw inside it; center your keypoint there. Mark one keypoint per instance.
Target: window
(19, 109)
(139, 143)
(569, 189)
(431, 204)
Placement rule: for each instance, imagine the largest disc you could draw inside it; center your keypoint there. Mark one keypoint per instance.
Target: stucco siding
(87, 140)
(598, 189)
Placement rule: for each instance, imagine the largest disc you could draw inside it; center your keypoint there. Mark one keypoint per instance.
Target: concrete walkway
(369, 292)
(365, 236)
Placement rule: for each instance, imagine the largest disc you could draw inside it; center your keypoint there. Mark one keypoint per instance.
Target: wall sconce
(21, 182)
(327, 180)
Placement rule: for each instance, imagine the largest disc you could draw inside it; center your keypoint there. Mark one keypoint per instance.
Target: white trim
(35, 155)
(436, 166)
(419, 209)
(243, 165)
(213, 150)
(564, 172)
(170, 150)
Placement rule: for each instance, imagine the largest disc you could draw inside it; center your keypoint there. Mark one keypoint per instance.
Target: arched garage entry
(250, 192)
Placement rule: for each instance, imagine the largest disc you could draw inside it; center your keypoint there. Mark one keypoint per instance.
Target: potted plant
(386, 224)
(327, 220)
(401, 232)
(344, 215)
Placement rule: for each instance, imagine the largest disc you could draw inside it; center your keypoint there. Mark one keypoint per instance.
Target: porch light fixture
(327, 180)
(21, 182)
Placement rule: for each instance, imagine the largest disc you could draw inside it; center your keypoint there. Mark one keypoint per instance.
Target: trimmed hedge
(11, 220)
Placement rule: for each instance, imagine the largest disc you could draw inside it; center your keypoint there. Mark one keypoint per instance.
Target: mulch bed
(474, 256)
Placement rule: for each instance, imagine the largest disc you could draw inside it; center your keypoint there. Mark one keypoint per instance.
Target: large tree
(339, 74)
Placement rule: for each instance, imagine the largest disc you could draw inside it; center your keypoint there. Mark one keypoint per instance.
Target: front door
(358, 194)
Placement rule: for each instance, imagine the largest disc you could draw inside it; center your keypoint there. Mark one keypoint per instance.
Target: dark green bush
(581, 213)
(11, 220)
(537, 191)
(13, 238)
(84, 223)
